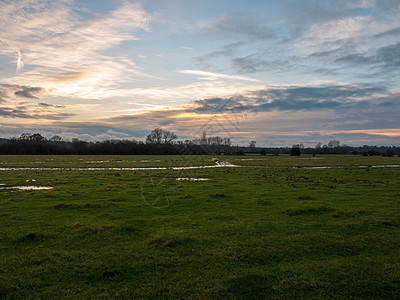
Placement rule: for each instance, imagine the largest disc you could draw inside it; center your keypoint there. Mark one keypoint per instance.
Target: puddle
(96, 161)
(381, 166)
(317, 168)
(28, 188)
(193, 179)
(251, 159)
(219, 164)
(340, 167)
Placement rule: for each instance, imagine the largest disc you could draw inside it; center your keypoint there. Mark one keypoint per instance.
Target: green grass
(265, 230)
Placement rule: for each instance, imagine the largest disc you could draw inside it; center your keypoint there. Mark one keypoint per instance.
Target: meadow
(272, 227)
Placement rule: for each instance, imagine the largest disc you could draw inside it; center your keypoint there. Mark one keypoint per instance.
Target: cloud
(176, 95)
(285, 112)
(11, 107)
(300, 15)
(224, 52)
(215, 76)
(185, 48)
(55, 41)
(34, 112)
(6, 90)
(258, 63)
(358, 30)
(389, 55)
(391, 32)
(214, 54)
(386, 57)
(28, 92)
(387, 5)
(240, 24)
(274, 115)
(292, 98)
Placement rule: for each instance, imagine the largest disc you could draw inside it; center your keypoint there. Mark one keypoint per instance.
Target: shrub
(295, 151)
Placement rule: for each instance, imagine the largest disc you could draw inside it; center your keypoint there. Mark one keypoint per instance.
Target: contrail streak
(20, 63)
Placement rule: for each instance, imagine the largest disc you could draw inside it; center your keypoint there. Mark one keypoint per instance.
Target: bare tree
(32, 137)
(155, 137)
(160, 136)
(333, 144)
(168, 136)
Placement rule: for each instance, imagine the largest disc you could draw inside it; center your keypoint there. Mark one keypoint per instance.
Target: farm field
(268, 227)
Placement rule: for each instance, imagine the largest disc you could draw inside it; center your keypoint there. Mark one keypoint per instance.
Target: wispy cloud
(185, 48)
(55, 42)
(239, 24)
(357, 30)
(203, 75)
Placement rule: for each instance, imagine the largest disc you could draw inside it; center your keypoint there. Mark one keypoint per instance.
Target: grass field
(270, 228)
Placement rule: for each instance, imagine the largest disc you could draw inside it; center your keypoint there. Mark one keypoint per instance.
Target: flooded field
(199, 227)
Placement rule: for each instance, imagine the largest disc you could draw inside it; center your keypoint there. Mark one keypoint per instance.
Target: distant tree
(37, 137)
(168, 136)
(388, 153)
(333, 144)
(252, 144)
(203, 140)
(161, 136)
(318, 146)
(240, 152)
(295, 151)
(155, 137)
(56, 138)
(373, 152)
(263, 152)
(25, 136)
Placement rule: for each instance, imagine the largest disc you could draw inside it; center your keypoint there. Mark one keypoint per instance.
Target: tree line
(161, 141)
(158, 142)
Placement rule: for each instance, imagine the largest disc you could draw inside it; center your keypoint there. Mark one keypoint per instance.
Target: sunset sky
(278, 72)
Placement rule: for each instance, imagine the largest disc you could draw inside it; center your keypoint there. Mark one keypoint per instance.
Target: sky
(277, 72)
